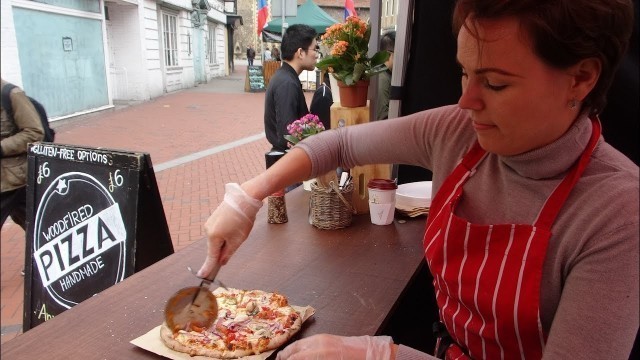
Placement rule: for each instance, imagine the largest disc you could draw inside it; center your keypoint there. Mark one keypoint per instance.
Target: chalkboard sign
(255, 79)
(94, 217)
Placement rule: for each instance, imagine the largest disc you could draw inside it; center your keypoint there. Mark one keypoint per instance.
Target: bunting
(349, 9)
(263, 14)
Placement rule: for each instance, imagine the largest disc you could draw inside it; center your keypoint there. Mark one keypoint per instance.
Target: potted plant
(348, 60)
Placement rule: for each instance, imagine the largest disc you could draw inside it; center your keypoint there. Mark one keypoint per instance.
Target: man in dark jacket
(251, 54)
(284, 100)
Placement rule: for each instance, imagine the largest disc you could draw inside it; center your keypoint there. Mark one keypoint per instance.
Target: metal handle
(214, 272)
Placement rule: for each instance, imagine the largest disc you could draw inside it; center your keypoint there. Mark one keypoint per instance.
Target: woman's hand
(229, 225)
(325, 346)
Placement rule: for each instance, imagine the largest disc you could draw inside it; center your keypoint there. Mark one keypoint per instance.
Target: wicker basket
(330, 208)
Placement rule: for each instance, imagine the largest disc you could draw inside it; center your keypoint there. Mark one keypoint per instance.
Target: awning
(308, 14)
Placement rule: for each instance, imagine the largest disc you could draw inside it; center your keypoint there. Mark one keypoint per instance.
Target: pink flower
(302, 128)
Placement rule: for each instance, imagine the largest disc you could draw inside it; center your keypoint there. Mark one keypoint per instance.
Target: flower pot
(354, 95)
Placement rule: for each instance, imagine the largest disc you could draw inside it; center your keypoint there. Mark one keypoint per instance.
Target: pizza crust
(169, 340)
(290, 321)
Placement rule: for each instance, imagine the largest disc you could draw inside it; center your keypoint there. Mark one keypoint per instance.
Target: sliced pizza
(249, 322)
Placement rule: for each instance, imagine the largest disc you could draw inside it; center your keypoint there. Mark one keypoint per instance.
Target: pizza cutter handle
(212, 275)
(206, 282)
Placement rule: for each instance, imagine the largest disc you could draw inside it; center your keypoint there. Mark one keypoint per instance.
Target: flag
(263, 14)
(349, 9)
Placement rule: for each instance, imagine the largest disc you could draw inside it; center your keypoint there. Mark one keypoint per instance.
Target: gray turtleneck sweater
(589, 291)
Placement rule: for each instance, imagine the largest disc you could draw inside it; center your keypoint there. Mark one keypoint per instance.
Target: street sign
(290, 8)
(94, 217)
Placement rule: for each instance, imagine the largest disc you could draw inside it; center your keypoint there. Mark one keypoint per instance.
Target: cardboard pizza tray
(151, 342)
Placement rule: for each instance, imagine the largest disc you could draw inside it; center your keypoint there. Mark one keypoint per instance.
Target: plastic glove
(228, 226)
(325, 346)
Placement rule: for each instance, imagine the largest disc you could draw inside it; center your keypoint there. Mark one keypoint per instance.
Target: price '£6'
(43, 172)
(115, 180)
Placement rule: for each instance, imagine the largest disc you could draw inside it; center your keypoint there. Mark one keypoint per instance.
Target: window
(211, 53)
(170, 38)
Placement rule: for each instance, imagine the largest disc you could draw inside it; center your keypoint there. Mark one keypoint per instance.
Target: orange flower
(339, 48)
(348, 60)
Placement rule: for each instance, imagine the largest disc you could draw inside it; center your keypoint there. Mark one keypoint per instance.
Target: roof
(308, 14)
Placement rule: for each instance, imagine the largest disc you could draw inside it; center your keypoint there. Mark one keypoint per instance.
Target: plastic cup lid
(382, 184)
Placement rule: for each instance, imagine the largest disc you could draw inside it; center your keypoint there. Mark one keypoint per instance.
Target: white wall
(9, 61)
(185, 35)
(220, 67)
(126, 59)
(151, 48)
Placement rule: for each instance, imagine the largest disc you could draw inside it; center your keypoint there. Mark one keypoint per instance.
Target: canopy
(308, 14)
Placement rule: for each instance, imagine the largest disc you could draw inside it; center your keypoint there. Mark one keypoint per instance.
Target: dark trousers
(14, 203)
(250, 60)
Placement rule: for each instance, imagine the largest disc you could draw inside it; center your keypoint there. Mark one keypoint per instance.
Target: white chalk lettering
(81, 273)
(43, 314)
(84, 155)
(74, 247)
(71, 219)
(44, 150)
(52, 151)
(66, 154)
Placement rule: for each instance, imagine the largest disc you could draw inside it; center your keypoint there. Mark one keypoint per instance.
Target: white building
(78, 56)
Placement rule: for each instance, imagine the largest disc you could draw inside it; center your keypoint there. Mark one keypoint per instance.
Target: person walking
(251, 54)
(18, 128)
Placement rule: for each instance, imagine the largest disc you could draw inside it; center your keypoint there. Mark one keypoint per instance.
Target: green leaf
(379, 58)
(292, 139)
(358, 70)
(348, 80)
(327, 62)
(376, 70)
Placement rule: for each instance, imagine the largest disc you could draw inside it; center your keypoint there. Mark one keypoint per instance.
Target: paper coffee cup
(382, 200)
(381, 214)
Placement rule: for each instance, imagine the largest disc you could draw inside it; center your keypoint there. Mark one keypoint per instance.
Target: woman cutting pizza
(532, 237)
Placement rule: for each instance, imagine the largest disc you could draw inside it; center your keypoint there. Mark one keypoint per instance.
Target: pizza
(249, 322)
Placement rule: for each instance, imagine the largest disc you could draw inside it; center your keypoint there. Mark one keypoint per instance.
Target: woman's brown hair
(563, 32)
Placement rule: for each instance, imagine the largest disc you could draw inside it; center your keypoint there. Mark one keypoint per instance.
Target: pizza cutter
(194, 307)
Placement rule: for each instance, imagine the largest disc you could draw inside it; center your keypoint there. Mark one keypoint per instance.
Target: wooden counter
(353, 277)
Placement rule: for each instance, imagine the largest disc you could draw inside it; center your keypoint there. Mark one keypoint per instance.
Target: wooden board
(343, 116)
(270, 68)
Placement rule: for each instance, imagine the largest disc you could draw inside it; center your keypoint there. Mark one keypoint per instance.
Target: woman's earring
(573, 103)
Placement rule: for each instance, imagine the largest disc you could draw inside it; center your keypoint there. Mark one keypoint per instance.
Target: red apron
(487, 277)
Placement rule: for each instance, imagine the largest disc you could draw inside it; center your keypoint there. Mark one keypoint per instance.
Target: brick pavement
(198, 139)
